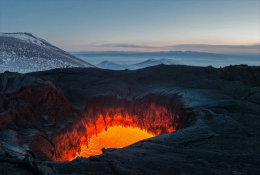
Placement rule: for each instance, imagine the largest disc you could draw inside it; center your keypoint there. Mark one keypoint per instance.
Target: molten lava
(113, 137)
(115, 131)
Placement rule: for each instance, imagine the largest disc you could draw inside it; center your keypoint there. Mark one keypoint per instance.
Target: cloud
(238, 49)
(125, 45)
(218, 48)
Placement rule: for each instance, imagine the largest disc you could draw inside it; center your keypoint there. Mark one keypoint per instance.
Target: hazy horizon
(124, 59)
(218, 49)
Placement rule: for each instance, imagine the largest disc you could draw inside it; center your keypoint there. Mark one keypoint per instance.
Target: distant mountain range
(110, 65)
(119, 60)
(23, 52)
(144, 64)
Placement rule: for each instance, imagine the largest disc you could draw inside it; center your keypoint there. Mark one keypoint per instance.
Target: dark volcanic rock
(37, 112)
(219, 108)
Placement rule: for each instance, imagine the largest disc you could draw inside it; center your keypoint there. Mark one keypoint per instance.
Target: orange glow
(114, 130)
(113, 137)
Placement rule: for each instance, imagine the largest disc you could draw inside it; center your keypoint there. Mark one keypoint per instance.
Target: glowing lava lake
(117, 131)
(115, 125)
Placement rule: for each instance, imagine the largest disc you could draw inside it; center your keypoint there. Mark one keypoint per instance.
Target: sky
(138, 25)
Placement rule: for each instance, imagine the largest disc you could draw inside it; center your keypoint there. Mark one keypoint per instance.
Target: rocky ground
(218, 130)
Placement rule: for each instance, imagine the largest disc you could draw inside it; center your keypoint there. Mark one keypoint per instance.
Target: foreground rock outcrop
(216, 113)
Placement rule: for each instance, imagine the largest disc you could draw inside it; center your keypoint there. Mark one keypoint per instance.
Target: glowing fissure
(114, 127)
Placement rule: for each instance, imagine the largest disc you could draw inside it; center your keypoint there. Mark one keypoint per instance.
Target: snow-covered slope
(23, 52)
(144, 64)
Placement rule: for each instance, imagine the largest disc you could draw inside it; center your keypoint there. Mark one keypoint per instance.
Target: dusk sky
(137, 25)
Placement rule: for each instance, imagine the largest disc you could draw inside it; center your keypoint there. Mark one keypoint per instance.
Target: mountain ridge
(147, 63)
(23, 52)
